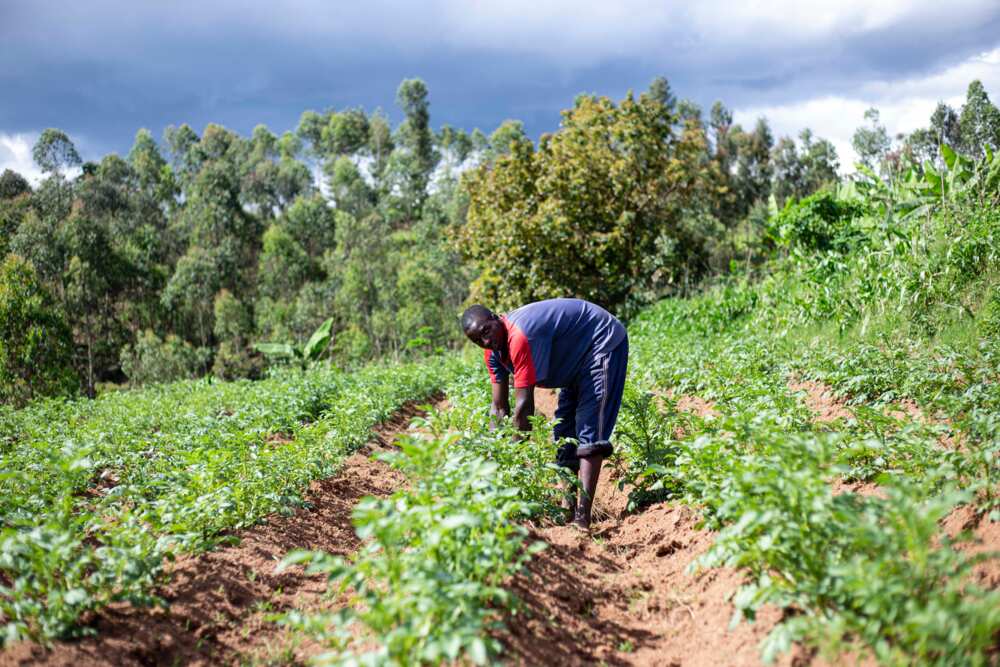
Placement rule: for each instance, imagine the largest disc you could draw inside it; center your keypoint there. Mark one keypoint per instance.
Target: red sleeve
(489, 366)
(520, 356)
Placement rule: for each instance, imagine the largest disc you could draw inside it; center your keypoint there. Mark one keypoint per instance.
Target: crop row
(96, 495)
(428, 587)
(873, 570)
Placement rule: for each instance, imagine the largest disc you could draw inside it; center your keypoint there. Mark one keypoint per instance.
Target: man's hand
(524, 408)
(500, 408)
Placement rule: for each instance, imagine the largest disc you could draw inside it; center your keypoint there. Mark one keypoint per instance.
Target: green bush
(990, 319)
(150, 359)
(818, 222)
(36, 345)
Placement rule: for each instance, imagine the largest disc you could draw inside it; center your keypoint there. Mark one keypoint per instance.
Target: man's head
(484, 328)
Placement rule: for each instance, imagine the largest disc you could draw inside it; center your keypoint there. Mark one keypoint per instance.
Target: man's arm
(524, 407)
(501, 401)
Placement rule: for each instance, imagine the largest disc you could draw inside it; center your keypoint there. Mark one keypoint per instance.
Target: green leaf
(477, 651)
(950, 157)
(318, 341)
(75, 596)
(277, 350)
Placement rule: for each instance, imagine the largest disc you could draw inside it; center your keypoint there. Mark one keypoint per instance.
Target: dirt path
(219, 601)
(622, 596)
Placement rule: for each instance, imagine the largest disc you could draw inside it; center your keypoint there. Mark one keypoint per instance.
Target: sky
(101, 70)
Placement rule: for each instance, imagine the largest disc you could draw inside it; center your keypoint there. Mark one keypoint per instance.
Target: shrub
(36, 344)
(151, 359)
(818, 222)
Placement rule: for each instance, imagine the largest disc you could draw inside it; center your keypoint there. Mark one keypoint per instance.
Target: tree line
(176, 259)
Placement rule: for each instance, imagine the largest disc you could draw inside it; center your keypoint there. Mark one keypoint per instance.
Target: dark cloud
(101, 70)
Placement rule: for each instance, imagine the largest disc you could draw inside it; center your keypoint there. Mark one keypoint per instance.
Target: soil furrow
(219, 601)
(623, 594)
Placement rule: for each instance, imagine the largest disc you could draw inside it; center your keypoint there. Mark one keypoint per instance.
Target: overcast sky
(100, 70)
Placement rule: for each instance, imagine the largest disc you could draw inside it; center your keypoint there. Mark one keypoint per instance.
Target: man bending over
(567, 343)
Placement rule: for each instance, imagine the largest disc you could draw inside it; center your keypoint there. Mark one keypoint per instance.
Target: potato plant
(429, 583)
(97, 494)
(873, 571)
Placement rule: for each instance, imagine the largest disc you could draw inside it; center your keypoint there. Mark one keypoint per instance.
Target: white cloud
(15, 153)
(661, 29)
(904, 105)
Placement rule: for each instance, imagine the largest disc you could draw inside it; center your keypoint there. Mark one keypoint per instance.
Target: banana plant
(918, 192)
(305, 355)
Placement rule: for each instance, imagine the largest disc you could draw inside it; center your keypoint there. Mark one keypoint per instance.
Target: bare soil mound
(218, 601)
(623, 596)
(822, 401)
(984, 538)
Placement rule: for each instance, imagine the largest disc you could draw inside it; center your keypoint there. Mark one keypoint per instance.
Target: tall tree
(819, 158)
(147, 161)
(871, 142)
(54, 152)
(380, 147)
(753, 163)
(583, 215)
(345, 133)
(415, 157)
(800, 171)
(789, 171)
(95, 277)
(36, 346)
(979, 122)
(659, 91)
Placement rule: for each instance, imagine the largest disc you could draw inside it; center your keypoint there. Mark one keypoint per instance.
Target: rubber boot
(569, 503)
(590, 470)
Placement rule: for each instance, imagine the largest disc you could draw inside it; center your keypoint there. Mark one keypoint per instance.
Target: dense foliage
(183, 255)
(96, 494)
(883, 301)
(35, 341)
(597, 210)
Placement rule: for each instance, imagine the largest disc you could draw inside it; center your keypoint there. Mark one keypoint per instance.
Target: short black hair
(473, 314)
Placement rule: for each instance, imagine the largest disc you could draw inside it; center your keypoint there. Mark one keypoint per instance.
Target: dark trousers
(588, 408)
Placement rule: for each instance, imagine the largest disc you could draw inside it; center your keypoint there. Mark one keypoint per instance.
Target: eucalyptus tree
(181, 142)
(819, 157)
(978, 122)
(94, 281)
(380, 147)
(659, 91)
(36, 344)
(789, 171)
(800, 170)
(55, 152)
(753, 164)
(871, 142)
(414, 158)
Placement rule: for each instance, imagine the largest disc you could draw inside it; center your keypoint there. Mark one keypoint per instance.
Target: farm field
(806, 473)
(252, 263)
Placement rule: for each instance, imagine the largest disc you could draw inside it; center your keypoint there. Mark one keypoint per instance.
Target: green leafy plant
(306, 354)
